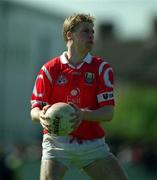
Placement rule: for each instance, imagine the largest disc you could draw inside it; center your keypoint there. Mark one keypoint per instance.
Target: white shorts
(74, 153)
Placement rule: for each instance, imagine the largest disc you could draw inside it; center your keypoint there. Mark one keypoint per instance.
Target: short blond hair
(72, 21)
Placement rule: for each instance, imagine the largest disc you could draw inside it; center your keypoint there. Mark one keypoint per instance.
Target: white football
(59, 114)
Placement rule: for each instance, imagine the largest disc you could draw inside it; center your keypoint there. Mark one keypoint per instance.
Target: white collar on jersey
(64, 60)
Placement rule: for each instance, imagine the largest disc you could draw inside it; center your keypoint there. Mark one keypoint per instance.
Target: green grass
(135, 113)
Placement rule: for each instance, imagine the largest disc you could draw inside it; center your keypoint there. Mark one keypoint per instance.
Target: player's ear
(69, 35)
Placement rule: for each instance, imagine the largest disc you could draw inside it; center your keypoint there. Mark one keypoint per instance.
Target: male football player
(86, 81)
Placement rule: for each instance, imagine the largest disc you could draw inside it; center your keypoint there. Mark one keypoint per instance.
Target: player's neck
(75, 57)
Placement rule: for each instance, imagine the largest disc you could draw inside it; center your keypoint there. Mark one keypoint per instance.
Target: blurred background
(125, 35)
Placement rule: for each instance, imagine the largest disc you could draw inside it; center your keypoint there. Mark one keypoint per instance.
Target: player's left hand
(77, 116)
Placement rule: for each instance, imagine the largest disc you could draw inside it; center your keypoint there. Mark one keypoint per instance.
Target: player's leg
(107, 168)
(52, 170)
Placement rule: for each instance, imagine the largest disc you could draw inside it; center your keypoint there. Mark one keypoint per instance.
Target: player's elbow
(34, 114)
(109, 114)
(110, 117)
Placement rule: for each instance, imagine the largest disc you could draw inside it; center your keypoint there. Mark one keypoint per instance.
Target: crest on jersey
(61, 80)
(89, 77)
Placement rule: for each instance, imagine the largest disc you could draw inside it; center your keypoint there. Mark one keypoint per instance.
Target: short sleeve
(105, 92)
(42, 88)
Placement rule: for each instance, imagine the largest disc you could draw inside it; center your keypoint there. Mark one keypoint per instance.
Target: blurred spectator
(6, 173)
(150, 159)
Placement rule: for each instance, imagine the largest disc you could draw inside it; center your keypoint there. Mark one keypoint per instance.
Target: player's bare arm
(35, 114)
(101, 115)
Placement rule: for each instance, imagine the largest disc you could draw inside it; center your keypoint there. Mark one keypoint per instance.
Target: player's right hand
(45, 121)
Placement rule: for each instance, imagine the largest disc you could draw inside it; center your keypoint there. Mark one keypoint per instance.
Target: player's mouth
(90, 42)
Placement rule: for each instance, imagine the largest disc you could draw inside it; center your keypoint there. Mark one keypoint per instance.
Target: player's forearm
(35, 114)
(101, 114)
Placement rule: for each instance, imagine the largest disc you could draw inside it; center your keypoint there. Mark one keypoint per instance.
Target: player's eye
(88, 31)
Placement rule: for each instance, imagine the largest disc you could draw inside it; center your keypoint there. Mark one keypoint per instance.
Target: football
(59, 115)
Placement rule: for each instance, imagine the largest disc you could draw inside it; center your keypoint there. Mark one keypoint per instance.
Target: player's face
(83, 37)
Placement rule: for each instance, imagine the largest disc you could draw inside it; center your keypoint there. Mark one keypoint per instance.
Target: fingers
(45, 108)
(45, 124)
(76, 119)
(74, 106)
(76, 124)
(44, 120)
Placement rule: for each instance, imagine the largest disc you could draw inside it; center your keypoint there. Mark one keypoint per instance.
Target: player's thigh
(52, 170)
(107, 168)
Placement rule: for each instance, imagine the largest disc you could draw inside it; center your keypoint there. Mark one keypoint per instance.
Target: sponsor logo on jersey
(74, 96)
(62, 80)
(107, 96)
(89, 77)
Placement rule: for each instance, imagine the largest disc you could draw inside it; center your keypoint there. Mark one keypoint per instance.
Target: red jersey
(88, 85)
